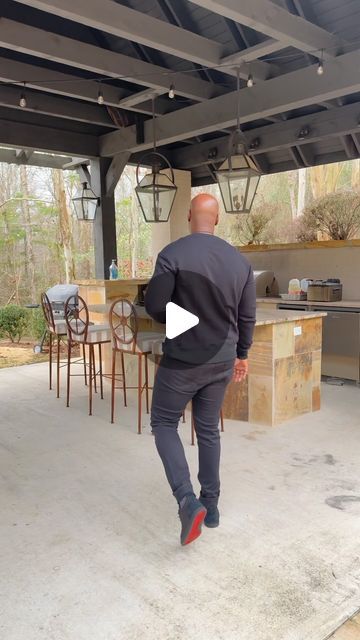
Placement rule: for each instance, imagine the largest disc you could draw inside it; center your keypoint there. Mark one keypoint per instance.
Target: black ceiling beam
(182, 18)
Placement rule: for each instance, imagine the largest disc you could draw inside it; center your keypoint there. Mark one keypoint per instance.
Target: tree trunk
(292, 184)
(65, 225)
(325, 179)
(29, 264)
(134, 238)
(301, 192)
(355, 174)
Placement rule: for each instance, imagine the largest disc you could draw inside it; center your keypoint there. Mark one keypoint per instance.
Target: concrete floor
(90, 537)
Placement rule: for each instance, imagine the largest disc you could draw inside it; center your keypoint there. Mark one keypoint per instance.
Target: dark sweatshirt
(208, 277)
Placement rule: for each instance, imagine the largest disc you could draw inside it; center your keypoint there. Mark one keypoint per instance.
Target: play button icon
(178, 320)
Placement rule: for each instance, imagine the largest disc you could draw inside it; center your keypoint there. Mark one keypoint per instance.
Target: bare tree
(65, 224)
(301, 192)
(29, 263)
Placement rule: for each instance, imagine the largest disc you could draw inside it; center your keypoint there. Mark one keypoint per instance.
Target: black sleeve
(246, 317)
(160, 289)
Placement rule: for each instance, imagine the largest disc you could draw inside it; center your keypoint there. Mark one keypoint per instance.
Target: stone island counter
(284, 360)
(284, 369)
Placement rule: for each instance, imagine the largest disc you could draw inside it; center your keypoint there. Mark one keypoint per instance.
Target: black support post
(104, 225)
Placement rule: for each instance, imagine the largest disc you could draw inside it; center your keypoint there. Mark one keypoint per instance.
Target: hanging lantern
(86, 203)
(156, 191)
(238, 176)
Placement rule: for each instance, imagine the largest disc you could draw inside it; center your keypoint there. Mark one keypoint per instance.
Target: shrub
(13, 322)
(251, 228)
(36, 325)
(336, 216)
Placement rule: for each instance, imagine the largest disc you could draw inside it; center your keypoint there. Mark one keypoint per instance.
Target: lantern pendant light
(238, 176)
(85, 203)
(156, 191)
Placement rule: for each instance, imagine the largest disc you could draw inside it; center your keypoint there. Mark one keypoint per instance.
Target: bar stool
(81, 332)
(57, 331)
(126, 338)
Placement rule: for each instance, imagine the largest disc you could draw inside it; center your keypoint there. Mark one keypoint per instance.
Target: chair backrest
(76, 317)
(123, 324)
(48, 312)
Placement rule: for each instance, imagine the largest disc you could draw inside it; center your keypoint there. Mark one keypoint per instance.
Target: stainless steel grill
(58, 296)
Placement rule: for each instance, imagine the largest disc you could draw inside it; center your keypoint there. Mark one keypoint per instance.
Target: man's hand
(241, 368)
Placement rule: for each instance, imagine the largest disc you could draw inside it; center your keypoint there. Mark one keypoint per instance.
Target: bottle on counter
(113, 270)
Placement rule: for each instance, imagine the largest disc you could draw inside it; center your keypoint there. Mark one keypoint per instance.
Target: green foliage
(36, 324)
(336, 216)
(13, 322)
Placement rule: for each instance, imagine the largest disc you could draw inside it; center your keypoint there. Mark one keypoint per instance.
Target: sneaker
(212, 518)
(191, 514)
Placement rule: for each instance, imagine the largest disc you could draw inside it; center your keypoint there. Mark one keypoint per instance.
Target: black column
(104, 225)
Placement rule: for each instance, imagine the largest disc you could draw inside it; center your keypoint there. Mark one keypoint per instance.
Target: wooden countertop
(278, 316)
(349, 304)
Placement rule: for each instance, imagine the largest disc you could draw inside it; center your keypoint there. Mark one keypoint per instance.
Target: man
(211, 279)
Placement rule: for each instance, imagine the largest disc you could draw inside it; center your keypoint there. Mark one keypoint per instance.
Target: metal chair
(81, 332)
(57, 331)
(127, 339)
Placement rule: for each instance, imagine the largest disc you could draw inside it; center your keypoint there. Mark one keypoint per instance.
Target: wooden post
(104, 224)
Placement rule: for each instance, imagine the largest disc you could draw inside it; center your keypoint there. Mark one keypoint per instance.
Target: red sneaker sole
(195, 530)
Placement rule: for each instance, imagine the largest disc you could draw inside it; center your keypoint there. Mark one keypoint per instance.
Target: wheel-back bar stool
(57, 331)
(81, 332)
(127, 339)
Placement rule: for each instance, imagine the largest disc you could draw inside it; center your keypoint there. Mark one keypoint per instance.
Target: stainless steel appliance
(341, 343)
(341, 340)
(58, 294)
(325, 291)
(266, 284)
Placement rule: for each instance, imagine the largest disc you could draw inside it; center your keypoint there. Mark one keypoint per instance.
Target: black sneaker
(212, 518)
(191, 514)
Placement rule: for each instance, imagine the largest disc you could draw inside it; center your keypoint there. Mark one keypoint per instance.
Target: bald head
(204, 213)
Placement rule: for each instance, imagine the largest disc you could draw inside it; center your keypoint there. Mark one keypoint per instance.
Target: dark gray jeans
(174, 387)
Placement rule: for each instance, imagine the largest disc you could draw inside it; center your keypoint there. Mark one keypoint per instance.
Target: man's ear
(217, 220)
(189, 215)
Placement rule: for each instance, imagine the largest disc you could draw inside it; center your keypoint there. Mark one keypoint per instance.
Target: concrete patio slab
(90, 536)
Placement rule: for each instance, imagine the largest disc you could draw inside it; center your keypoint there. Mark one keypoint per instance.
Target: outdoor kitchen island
(284, 361)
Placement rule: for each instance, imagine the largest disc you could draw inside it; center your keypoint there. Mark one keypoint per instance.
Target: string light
(270, 58)
(22, 101)
(320, 69)
(100, 97)
(250, 81)
(172, 91)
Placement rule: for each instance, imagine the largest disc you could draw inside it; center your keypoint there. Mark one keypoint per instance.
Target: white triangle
(178, 320)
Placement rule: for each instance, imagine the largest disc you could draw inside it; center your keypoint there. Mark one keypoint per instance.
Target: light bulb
(100, 97)
(320, 69)
(22, 101)
(172, 91)
(250, 81)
